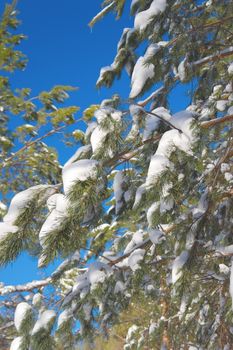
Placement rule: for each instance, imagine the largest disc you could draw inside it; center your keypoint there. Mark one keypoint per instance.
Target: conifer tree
(144, 212)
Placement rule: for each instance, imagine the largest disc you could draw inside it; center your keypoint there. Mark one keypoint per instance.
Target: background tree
(145, 208)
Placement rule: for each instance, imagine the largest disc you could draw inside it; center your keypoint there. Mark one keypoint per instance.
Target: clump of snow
(158, 164)
(81, 170)
(152, 328)
(98, 137)
(118, 190)
(135, 258)
(96, 273)
(230, 110)
(171, 140)
(156, 236)
(23, 315)
(150, 213)
(6, 228)
(152, 122)
(64, 317)
(17, 344)
(225, 250)
(183, 120)
(119, 287)
(177, 265)
(45, 322)
(55, 218)
(82, 151)
(224, 269)
(202, 206)
(143, 70)
(182, 70)
(131, 331)
(22, 200)
(139, 193)
(90, 128)
(143, 18)
(231, 282)
(221, 105)
(137, 238)
(37, 300)
(230, 69)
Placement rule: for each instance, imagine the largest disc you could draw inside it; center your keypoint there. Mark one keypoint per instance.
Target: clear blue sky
(62, 49)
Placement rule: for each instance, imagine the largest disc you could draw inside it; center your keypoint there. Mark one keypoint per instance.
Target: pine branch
(211, 123)
(25, 287)
(222, 54)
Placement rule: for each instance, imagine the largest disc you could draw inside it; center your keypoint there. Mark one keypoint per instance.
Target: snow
(177, 265)
(230, 69)
(6, 228)
(152, 122)
(221, 105)
(155, 236)
(90, 128)
(118, 190)
(44, 322)
(183, 120)
(137, 238)
(150, 213)
(230, 110)
(228, 176)
(143, 19)
(55, 218)
(87, 308)
(131, 331)
(119, 287)
(171, 140)
(103, 70)
(52, 200)
(182, 70)
(22, 200)
(143, 70)
(152, 328)
(81, 170)
(227, 250)
(231, 282)
(141, 73)
(135, 257)
(17, 344)
(97, 138)
(82, 151)
(202, 206)
(158, 164)
(64, 317)
(23, 312)
(224, 269)
(96, 273)
(138, 196)
(37, 300)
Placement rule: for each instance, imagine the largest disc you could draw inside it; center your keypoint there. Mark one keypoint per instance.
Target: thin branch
(209, 124)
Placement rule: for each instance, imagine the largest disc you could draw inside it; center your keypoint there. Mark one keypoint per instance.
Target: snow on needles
(143, 70)
(81, 170)
(177, 265)
(143, 18)
(45, 322)
(17, 344)
(23, 313)
(22, 200)
(58, 206)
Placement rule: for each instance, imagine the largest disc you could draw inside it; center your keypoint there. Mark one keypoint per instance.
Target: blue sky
(62, 49)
